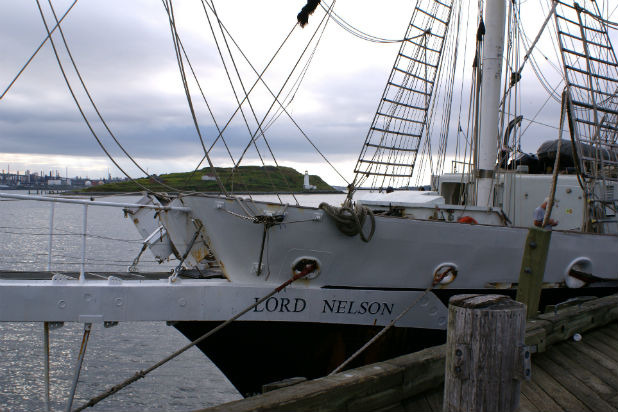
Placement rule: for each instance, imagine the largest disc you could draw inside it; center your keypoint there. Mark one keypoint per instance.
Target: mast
(493, 49)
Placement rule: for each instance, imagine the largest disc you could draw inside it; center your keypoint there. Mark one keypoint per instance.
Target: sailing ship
(391, 254)
(383, 249)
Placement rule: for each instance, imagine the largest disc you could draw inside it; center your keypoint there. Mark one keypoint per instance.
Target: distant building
(208, 178)
(306, 184)
(59, 182)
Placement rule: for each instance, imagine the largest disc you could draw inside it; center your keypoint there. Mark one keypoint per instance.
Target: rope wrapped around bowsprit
(350, 219)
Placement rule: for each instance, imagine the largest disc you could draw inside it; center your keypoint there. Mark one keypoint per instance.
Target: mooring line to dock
(141, 374)
(78, 366)
(46, 364)
(438, 277)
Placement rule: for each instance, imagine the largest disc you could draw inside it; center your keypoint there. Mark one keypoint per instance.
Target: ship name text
(348, 307)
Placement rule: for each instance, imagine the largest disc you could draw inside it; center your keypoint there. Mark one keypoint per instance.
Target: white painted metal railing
(85, 203)
(90, 202)
(82, 280)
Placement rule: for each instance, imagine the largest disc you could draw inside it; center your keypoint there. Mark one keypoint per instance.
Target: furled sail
(591, 72)
(392, 144)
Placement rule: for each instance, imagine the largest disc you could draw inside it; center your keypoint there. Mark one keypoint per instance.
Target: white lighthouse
(306, 184)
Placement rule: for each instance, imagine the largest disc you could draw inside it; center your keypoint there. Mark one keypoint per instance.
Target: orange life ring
(467, 219)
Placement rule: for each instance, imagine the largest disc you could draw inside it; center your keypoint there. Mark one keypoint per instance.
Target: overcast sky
(124, 52)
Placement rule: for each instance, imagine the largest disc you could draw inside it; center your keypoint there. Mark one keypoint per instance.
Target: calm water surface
(190, 381)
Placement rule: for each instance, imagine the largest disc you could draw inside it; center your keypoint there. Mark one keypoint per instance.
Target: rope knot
(350, 219)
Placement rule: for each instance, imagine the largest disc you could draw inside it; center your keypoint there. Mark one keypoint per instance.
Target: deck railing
(84, 231)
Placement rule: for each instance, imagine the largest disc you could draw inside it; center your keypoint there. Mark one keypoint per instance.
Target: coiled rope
(350, 219)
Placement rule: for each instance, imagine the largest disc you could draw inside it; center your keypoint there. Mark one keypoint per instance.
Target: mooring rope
(438, 277)
(350, 219)
(140, 374)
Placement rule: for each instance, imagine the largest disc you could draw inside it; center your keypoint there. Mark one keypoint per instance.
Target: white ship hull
(403, 254)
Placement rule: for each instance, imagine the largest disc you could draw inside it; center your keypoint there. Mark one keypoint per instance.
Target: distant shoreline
(308, 192)
(80, 191)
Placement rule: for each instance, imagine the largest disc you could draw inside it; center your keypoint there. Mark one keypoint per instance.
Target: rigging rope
(260, 79)
(175, 38)
(531, 48)
(404, 116)
(361, 34)
(37, 50)
(81, 111)
(536, 68)
(554, 180)
(212, 116)
(18, 232)
(239, 105)
(461, 100)
(142, 373)
(276, 98)
(608, 22)
(447, 88)
(88, 94)
(259, 128)
(94, 106)
(438, 277)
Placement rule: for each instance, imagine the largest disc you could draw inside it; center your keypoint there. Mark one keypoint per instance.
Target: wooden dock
(568, 374)
(571, 376)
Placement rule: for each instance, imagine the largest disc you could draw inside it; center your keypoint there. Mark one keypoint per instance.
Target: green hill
(252, 179)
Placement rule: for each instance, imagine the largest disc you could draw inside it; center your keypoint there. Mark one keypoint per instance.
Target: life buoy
(467, 219)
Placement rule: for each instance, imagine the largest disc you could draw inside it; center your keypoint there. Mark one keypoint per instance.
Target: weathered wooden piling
(484, 355)
(532, 270)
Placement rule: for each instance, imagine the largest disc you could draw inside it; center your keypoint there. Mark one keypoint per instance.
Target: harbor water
(188, 382)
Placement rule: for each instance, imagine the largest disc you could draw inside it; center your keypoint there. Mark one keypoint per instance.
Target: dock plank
(586, 348)
(594, 361)
(539, 397)
(611, 331)
(585, 369)
(614, 401)
(558, 393)
(599, 341)
(573, 384)
(526, 406)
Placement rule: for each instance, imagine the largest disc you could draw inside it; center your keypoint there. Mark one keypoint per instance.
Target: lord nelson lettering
(349, 307)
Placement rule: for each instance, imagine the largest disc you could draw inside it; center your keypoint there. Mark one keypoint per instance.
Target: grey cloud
(125, 53)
